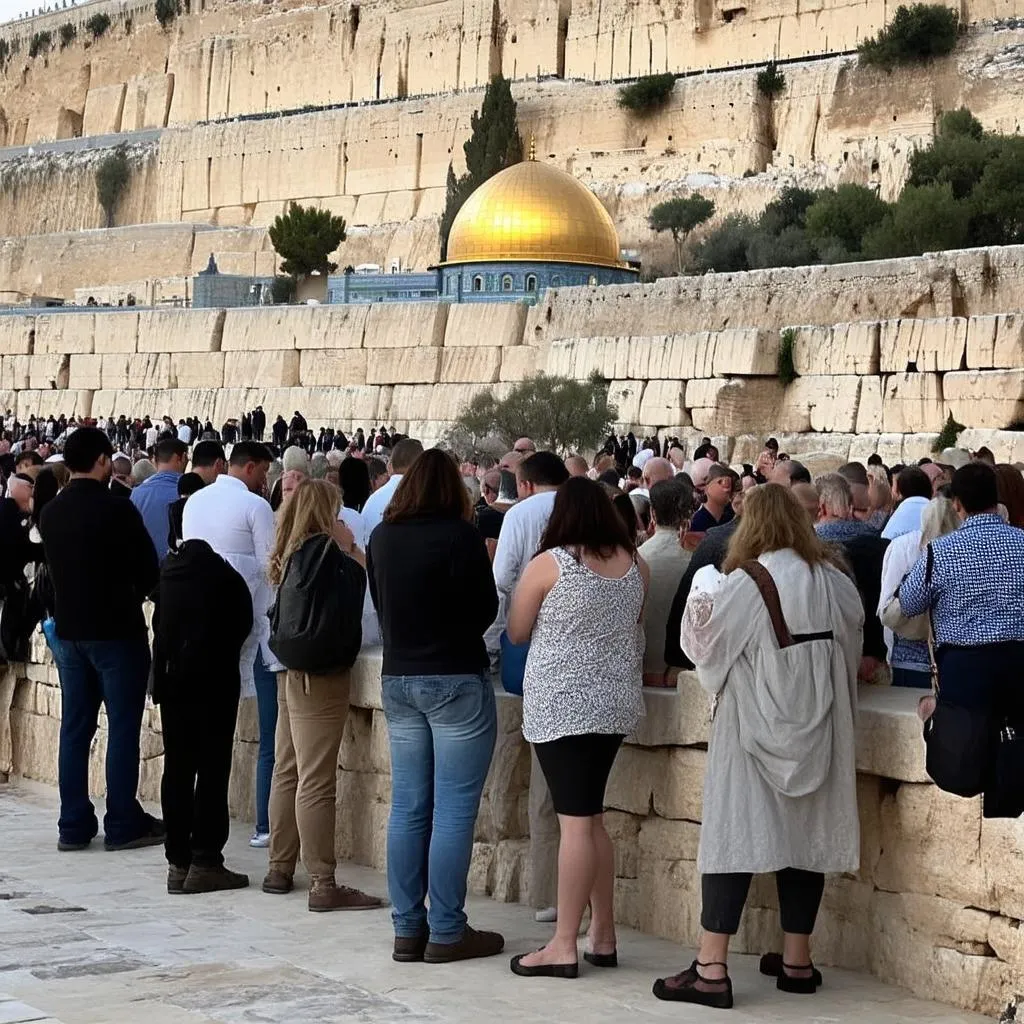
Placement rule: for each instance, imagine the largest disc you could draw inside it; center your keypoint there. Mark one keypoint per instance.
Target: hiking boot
(277, 883)
(153, 835)
(201, 879)
(325, 894)
(473, 944)
(176, 879)
(409, 949)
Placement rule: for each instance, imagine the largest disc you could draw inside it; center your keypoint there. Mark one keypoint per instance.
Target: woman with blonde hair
(311, 713)
(910, 661)
(776, 639)
(880, 498)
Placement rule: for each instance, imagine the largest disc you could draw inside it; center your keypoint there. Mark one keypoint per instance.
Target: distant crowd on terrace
(573, 582)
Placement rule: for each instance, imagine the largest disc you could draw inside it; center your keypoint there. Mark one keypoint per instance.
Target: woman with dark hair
(431, 582)
(354, 480)
(1010, 484)
(580, 605)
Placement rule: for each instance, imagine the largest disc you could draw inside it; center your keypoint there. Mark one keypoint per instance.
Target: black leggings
(576, 769)
(723, 896)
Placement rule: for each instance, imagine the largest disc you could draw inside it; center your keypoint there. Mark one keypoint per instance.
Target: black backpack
(316, 621)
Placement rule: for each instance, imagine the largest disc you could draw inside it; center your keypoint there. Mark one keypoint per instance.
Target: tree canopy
(916, 34)
(559, 413)
(680, 216)
(648, 93)
(493, 145)
(304, 237)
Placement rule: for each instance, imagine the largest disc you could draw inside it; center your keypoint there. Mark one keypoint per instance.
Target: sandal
(772, 965)
(690, 986)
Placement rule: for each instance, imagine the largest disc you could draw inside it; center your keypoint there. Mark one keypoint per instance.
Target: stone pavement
(93, 938)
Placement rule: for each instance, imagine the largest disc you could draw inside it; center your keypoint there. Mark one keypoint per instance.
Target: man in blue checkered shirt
(975, 594)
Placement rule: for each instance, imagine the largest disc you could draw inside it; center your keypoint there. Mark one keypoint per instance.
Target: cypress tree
(494, 144)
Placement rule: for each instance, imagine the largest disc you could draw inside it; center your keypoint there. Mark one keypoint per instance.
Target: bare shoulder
(541, 570)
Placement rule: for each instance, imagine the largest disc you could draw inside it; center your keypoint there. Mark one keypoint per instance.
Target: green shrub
(67, 34)
(844, 215)
(167, 11)
(282, 289)
(647, 94)
(98, 24)
(770, 80)
(948, 434)
(5, 53)
(680, 217)
(112, 177)
(925, 218)
(724, 249)
(785, 370)
(915, 34)
(41, 42)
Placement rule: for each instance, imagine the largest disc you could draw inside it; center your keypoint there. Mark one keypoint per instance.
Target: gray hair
(835, 494)
(142, 470)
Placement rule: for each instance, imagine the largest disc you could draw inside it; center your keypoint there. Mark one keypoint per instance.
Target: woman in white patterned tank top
(580, 604)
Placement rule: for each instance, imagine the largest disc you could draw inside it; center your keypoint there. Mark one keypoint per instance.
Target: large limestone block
(362, 820)
(485, 323)
(889, 734)
(147, 101)
(116, 331)
(679, 788)
(180, 330)
(662, 404)
(634, 776)
(65, 333)
(675, 717)
(519, 362)
(277, 368)
(481, 364)
(922, 345)
(748, 406)
(449, 402)
(14, 372)
(683, 356)
(869, 406)
(330, 327)
(1005, 445)
(746, 352)
(17, 334)
(403, 366)
(1002, 847)
(84, 372)
(199, 369)
(149, 371)
(840, 349)
(406, 324)
(626, 396)
(48, 372)
(931, 844)
(832, 402)
(103, 108)
(912, 403)
(995, 342)
(52, 401)
(320, 367)
(410, 402)
(360, 403)
(985, 398)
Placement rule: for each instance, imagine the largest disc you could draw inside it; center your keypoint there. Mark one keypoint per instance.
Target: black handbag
(1004, 794)
(16, 622)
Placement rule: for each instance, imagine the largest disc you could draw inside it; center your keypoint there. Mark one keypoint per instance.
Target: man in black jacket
(100, 646)
(205, 617)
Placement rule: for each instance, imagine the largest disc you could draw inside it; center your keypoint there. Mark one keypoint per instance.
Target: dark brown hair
(585, 518)
(1009, 486)
(432, 486)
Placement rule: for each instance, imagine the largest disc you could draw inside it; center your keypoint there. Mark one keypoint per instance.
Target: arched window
(531, 282)
(506, 282)
(478, 283)
(556, 280)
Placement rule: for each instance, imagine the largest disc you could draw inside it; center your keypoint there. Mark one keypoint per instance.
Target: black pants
(199, 732)
(723, 896)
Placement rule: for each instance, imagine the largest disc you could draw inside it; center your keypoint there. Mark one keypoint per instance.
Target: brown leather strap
(770, 595)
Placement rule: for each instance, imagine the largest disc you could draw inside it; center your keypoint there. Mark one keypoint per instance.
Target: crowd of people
(575, 581)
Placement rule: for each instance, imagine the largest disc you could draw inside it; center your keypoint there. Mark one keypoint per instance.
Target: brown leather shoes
(277, 883)
(473, 944)
(409, 950)
(201, 879)
(325, 894)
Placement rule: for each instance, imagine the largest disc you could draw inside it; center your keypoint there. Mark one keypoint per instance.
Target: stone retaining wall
(936, 905)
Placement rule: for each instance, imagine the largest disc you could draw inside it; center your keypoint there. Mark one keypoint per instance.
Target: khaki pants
(8, 681)
(311, 713)
(544, 834)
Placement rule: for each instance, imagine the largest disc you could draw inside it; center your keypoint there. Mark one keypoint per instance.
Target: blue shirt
(152, 498)
(838, 530)
(976, 592)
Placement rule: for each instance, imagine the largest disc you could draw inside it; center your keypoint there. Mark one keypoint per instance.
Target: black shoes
(66, 846)
(602, 959)
(153, 835)
(473, 944)
(543, 970)
(690, 986)
(772, 966)
(409, 950)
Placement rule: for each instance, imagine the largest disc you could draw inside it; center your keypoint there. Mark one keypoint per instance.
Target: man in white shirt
(234, 518)
(538, 478)
(404, 454)
(184, 432)
(152, 436)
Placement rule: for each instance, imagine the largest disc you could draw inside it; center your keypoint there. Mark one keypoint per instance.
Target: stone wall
(936, 905)
(884, 352)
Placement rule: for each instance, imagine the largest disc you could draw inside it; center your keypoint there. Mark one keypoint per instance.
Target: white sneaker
(546, 916)
(260, 840)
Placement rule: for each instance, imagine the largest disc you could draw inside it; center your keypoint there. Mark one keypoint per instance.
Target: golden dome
(533, 211)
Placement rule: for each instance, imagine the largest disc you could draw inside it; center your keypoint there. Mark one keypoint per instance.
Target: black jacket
(864, 556)
(433, 588)
(205, 615)
(102, 562)
(16, 551)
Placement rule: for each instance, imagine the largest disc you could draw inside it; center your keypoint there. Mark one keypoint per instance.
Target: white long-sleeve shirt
(239, 526)
(377, 503)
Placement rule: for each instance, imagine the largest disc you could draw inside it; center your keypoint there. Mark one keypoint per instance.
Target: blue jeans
(113, 673)
(442, 731)
(266, 710)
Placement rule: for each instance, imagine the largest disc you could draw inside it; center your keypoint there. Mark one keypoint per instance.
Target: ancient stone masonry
(935, 907)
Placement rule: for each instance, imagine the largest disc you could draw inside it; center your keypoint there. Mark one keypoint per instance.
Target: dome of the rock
(534, 211)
